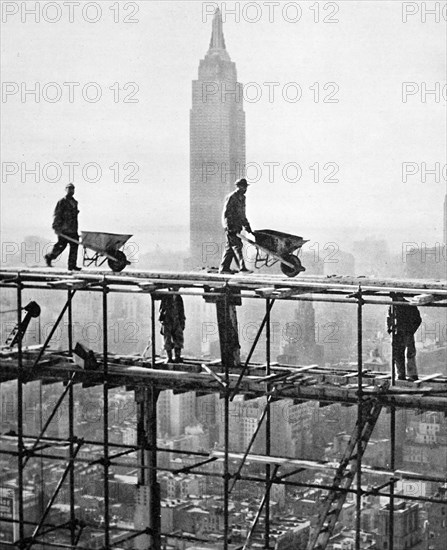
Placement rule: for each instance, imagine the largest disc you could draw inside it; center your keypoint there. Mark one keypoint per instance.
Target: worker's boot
(169, 356)
(400, 371)
(178, 355)
(48, 260)
(412, 371)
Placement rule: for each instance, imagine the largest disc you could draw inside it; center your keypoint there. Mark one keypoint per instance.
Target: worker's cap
(241, 183)
(69, 185)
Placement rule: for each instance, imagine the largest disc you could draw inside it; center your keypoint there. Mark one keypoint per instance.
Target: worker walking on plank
(233, 220)
(172, 318)
(403, 322)
(65, 224)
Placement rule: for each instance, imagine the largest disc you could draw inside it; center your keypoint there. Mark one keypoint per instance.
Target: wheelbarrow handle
(266, 251)
(244, 238)
(101, 252)
(66, 237)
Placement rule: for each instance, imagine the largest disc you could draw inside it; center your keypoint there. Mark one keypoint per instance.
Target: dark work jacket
(407, 319)
(172, 310)
(66, 216)
(233, 215)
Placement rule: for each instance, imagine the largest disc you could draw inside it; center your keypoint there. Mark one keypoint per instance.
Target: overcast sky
(362, 140)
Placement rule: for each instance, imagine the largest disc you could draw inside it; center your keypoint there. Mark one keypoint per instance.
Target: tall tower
(217, 146)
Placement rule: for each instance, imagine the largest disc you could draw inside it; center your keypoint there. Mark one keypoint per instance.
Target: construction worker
(403, 322)
(65, 224)
(172, 318)
(233, 220)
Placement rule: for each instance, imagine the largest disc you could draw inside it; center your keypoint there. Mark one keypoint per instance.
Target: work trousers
(173, 336)
(61, 245)
(405, 341)
(233, 249)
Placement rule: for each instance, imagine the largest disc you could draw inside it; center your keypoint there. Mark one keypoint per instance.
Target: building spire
(217, 38)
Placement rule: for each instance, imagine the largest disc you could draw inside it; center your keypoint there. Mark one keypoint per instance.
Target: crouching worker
(172, 319)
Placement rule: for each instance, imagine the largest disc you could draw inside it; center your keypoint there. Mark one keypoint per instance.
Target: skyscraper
(217, 146)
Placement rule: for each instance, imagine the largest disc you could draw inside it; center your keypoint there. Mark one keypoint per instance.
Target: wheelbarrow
(275, 246)
(106, 246)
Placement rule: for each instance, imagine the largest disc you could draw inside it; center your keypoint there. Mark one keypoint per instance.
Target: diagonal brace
(53, 498)
(187, 469)
(261, 506)
(53, 330)
(253, 347)
(252, 440)
(49, 419)
(216, 377)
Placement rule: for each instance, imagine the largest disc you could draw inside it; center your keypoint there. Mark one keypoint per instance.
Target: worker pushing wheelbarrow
(271, 246)
(106, 246)
(275, 246)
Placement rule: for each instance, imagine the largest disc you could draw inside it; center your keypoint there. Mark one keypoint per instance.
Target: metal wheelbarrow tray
(106, 246)
(275, 246)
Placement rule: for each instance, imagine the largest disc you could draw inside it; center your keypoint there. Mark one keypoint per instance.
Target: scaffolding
(369, 392)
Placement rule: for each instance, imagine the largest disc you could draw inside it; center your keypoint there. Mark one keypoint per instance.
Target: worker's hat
(242, 182)
(69, 185)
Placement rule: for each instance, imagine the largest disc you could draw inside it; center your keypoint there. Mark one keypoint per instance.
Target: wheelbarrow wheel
(292, 271)
(120, 261)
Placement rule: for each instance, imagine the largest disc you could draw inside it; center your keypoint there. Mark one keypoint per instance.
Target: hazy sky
(367, 135)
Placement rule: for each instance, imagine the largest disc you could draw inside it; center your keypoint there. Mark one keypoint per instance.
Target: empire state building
(217, 146)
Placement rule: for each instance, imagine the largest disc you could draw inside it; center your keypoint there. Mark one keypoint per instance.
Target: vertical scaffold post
(392, 431)
(360, 413)
(20, 453)
(106, 461)
(392, 466)
(230, 356)
(267, 429)
(151, 430)
(392, 313)
(149, 518)
(71, 425)
(227, 359)
(153, 348)
(228, 328)
(148, 489)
